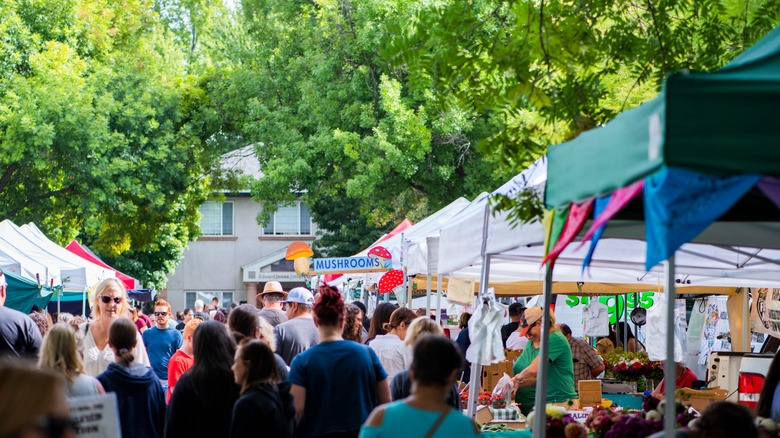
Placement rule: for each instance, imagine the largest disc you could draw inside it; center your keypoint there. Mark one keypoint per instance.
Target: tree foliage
(549, 70)
(334, 123)
(100, 131)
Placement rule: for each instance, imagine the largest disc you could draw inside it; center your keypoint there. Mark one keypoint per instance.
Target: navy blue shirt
(160, 346)
(340, 378)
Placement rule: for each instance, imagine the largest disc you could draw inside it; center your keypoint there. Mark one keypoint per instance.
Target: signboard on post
(347, 264)
(96, 416)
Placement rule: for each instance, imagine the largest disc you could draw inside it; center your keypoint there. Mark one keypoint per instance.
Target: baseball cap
(300, 295)
(530, 317)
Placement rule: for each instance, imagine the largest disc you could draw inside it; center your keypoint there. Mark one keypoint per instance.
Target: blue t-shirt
(340, 378)
(160, 345)
(403, 420)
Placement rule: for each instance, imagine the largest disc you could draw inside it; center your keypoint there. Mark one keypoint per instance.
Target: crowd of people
(304, 365)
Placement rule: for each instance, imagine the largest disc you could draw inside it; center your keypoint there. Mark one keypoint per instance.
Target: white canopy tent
(29, 247)
(501, 253)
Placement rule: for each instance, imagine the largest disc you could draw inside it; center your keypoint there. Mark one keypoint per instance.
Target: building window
(289, 220)
(216, 218)
(225, 298)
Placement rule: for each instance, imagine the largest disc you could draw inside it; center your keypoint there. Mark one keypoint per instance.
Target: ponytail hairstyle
(329, 308)
(399, 315)
(122, 337)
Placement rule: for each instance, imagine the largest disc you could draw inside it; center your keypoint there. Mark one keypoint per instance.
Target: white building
(235, 256)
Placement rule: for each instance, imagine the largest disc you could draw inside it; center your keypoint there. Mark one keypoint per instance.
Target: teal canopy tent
(719, 123)
(22, 293)
(705, 157)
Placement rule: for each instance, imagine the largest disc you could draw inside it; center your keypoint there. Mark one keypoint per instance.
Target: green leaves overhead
(95, 138)
(332, 119)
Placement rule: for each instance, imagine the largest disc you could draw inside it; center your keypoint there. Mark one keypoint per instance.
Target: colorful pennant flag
(619, 199)
(598, 208)
(770, 186)
(680, 204)
(578, 214)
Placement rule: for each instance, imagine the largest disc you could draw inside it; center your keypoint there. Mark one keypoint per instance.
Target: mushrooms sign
(382, 254)
(390, 281)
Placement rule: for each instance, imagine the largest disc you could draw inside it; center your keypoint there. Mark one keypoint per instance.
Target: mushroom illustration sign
(390, 281)
(299, 252)
(381, 254)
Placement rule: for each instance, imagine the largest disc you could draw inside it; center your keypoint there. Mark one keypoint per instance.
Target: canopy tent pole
(625, 320)
(428, 294)
(669, 365)
(746, 338)
(84, 302)
(476, 368)
(438, 299)
(540, 400)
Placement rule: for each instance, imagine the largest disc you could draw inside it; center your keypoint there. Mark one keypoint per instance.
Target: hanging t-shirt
(560, 382)
(596, 317)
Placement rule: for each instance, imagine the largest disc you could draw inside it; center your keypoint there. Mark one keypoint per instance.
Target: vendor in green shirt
(560, 382)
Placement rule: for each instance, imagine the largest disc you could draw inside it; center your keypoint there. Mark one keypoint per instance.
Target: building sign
(278, 276)
(347, 264)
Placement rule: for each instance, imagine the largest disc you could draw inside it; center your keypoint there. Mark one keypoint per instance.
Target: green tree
(333, 121)
(548, 70)
(100, 131)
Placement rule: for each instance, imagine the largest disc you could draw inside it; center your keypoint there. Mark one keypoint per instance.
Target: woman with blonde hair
(392, 352)
(110, 305)
(33, 403)
(59, 353)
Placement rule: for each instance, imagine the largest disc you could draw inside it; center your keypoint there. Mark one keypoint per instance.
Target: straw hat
(273, 287)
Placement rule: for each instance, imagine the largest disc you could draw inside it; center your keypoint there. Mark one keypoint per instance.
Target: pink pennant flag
(578, 214)
(619, 199)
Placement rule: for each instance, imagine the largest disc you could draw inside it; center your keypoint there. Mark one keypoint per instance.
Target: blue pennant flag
(601, 204)
(680, 204)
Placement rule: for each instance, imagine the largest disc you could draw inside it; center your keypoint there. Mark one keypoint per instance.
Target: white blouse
(392, 353)
(96, 360)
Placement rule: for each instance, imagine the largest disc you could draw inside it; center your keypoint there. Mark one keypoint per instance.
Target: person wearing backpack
(265, 403)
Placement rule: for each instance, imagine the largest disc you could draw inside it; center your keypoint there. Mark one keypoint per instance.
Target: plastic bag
(504, 387)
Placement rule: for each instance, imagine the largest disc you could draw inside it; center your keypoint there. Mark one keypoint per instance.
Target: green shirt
(560, 384)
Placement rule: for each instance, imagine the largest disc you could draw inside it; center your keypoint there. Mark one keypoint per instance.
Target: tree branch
(36, 199)
(658, 35)
(7, 176)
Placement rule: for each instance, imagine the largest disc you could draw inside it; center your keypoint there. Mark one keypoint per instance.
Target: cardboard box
(484, 416)
(512, 355)
(590, 393)
(699, 399)
(491, 374)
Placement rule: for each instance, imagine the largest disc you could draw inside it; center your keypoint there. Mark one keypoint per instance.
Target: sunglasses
(54, 426)
(160, 313)
(106, 299)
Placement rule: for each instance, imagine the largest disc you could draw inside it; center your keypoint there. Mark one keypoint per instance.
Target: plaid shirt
(585, 359)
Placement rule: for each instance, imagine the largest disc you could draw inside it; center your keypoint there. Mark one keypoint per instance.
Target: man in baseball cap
(515, 313)
(272, 297)
(560, 381)
(299, 332)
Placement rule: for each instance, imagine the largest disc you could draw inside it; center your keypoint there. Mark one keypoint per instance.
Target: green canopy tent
(711, 128)
(22, 293)
(718, 123)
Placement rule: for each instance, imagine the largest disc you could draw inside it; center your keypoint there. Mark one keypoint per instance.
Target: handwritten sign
(96, 416)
